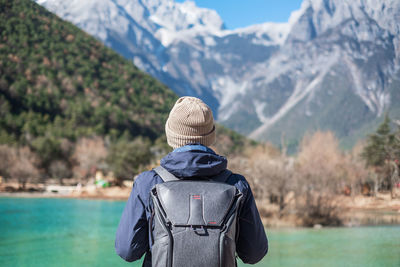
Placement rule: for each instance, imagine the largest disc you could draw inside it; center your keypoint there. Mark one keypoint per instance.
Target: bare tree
(321, 174)
(269, 172)
(357, 174)
(89, 155)
(308, 183)
(59, 169)
(23, 164)
(5, 154)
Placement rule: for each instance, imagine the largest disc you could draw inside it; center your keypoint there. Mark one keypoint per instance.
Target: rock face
(334, 65)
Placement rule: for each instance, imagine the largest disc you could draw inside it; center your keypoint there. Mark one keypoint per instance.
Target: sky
(242, 13)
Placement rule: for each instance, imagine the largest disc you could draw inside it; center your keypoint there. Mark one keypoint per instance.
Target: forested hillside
(57, 81)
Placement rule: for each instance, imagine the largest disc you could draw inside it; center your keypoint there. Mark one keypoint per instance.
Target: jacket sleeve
(131, 240)
(252, 244)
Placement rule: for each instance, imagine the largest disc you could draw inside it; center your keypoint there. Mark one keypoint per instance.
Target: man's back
(190, 161)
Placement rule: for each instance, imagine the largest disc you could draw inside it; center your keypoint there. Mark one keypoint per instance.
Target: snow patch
(302, 89)
(227, 90)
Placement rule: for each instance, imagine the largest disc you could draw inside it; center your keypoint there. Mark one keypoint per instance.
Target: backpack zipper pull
(169, 225)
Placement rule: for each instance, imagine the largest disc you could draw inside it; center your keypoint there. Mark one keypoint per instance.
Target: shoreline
(357, 211)
(56, 195)
(65, 191)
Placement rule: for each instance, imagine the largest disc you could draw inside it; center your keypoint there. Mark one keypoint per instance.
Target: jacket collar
(194, 160)
(194, 147)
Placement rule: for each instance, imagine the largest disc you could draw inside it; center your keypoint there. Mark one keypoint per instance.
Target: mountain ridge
(256, 78)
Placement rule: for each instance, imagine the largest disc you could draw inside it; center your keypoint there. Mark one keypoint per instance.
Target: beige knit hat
(190, 121)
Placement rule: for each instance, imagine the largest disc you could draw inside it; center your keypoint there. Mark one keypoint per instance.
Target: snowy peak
(267, 33)
(317, 16)
(167, 20)
(164, 19)
(184, 16)
(182, 20)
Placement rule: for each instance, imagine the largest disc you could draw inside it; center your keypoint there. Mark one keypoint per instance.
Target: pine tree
(397, 143)
(383, 152)
(379, 147)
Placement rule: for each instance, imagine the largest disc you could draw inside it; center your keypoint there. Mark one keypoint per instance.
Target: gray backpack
(195, 221)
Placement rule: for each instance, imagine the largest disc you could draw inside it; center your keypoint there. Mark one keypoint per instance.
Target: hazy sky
(241, 13)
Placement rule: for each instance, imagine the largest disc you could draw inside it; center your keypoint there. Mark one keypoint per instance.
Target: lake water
(72, 232)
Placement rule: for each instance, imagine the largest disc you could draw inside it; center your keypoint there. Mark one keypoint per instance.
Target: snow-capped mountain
(333, 65)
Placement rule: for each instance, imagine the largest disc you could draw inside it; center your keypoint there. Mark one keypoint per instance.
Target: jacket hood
(194, 163)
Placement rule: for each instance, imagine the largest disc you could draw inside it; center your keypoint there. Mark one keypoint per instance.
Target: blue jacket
(132, 237)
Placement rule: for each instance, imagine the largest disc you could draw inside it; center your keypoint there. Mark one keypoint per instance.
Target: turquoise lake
(72, 232)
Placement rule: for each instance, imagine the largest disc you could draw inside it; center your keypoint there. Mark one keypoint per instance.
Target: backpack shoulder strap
(165, 175)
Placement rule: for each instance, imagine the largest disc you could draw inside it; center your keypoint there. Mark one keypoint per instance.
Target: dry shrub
(89, 156)
(357, 174)
(248, 164)
(60, 169)
(307, 184)
(19, 163)
(322, 173)
(321, 165)
(5, 152)
(324, 167)
(269, 173)
(318, 208)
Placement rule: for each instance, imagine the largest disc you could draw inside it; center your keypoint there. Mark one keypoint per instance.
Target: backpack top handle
(166, 176)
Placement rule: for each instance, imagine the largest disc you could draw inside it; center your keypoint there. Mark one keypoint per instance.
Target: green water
(70, 232)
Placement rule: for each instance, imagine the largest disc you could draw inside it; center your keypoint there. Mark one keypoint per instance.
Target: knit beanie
(190, 121)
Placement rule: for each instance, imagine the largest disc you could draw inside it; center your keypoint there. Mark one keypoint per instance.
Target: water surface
(73, 232)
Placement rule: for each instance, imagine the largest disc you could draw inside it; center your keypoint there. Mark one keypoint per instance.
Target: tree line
(308, 184)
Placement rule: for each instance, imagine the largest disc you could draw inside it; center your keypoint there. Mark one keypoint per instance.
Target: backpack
(195, 221)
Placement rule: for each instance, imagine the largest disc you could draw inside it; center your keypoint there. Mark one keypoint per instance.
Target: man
(190, 130)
